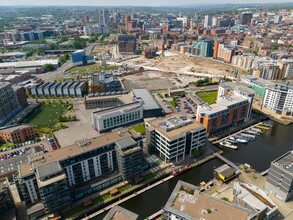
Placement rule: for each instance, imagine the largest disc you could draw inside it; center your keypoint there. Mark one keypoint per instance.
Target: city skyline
(130, 2)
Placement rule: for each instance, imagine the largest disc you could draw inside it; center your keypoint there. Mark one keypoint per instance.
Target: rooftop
(115, 110)
(188, 202)
(174, 125)
(72, 150)
(48, 169)
(14, 128)
(125, 142)
(119, 213)
(28, 63)
(285, 161)
(148, 101)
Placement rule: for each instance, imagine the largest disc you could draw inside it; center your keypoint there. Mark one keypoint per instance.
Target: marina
(272, 144)
(244, 136)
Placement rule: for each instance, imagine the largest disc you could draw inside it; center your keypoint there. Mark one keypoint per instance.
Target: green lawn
(83, 68)
(45, 116)
(208, 97)
(173, 103)
(7, 145)
(140, 128)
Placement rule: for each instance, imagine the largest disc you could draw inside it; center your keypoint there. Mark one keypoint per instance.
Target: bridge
(226, 161)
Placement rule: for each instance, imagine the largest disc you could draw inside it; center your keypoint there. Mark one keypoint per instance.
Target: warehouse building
(58, 89)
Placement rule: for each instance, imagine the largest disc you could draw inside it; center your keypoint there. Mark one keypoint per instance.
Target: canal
(258, 153)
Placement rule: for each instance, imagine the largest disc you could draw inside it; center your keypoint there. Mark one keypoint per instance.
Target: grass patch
(149, 176)
(83, 68)
(140, 128)
(124, 188)
(208, 97)
(173, 103)
(45, 116)
(7, 145)
(72, 212)
(101, 199)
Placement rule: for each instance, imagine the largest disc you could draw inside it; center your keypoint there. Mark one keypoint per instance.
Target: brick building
(17, 134)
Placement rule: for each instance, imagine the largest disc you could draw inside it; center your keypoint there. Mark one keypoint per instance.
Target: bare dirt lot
(103, 49)
(180, 62)
(150, 80)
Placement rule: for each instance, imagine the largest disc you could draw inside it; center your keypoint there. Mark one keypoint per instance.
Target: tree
(48, 67)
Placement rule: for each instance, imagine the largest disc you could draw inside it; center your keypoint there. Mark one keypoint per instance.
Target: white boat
(241, 140)
(257, 130)
(248, 135)
(228, 145)
(252, 132)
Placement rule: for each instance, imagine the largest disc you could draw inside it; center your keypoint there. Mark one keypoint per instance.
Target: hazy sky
(127, 2)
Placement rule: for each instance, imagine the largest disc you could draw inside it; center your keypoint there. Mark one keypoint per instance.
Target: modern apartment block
(6, 201)
(96, 29)
(9, 104)
(175, 137)
(188, 202)
(79, 57)
(50, 177)
(206, 47)
(280, 177)
(239, 90)
(279, 98)
(126, 44)
(129, 157)
(17, 134)
(108, 119)
(229, 111)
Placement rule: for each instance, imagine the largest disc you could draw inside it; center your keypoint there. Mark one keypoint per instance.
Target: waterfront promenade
(127, 198)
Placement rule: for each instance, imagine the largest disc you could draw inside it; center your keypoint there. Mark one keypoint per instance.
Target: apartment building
(175, 137)
(17, 134)
(279, 98)
(126, 44)
(229, 111)
(129, 157)
(223, 52)
(280, 177)
(9, 105)
(188, 202)
(108, 119)
(286, 69)
(239, 90)
(50, 177)
(6, 201)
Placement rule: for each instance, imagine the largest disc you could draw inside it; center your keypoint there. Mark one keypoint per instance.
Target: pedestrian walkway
(127, 198)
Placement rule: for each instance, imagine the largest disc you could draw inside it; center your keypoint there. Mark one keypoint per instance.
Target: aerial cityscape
(155, 110)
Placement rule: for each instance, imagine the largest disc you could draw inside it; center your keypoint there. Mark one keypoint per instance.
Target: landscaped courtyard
(208, 97)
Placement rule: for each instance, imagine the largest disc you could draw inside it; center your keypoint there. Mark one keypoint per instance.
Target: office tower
(104, 17)
(207, 21)
(245, 18)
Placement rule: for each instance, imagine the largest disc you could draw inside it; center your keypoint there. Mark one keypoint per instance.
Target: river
(258, 153)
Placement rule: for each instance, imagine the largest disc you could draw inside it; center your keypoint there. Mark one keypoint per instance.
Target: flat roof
(73, 150)
(222, 104)
(28, 63)
(178, 130)
(48, 169)
(149, 102)
(119, 213)
(125, 142)
(187, 201)
(42, 183)
(119, 109)
(285, 161)
(69, 136)
(14, 128)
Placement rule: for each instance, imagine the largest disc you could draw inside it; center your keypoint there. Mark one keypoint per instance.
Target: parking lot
(186, 106)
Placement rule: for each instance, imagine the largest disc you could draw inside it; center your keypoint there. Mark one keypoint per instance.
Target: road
(58, 73)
